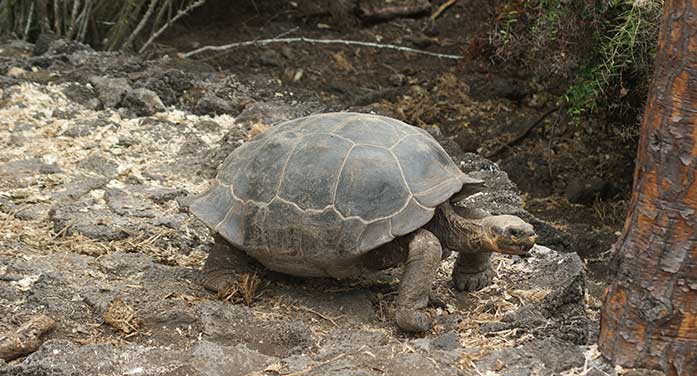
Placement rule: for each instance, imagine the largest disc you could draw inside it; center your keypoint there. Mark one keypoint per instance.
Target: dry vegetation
(108, 24)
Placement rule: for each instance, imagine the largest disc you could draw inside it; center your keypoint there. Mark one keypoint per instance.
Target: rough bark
(649, 315)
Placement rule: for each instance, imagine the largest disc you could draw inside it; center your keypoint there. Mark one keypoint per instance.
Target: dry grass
(122, 317)
(448, 99)
(491, 305)
(243, 291)
(610, 213)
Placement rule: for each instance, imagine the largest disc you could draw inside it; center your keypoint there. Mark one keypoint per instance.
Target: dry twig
(522, 135)
(141, 24)
(442, 9)
(320, 315)
(169, 23)
(264, 42)
(122, 317)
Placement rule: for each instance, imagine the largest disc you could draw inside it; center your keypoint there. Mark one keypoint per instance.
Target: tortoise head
(508, 234)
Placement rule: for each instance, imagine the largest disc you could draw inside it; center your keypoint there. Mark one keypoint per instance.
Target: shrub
(103, 23)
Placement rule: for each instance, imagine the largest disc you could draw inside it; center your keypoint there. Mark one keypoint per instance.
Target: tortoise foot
(219, 280)
(413, 320)
(473, 281)
(223, 266)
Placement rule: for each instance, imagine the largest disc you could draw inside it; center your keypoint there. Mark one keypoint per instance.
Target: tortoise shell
(329, 185)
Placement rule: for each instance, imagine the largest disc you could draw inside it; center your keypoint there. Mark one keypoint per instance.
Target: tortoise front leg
(472, 271)
(415, 287)
(223, 265)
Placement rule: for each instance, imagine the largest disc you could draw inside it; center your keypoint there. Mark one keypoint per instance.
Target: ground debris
(122, 316)
(26, 339)
(243, 291)
(386, 10)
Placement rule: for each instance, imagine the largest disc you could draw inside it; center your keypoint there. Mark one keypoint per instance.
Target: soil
(102, 152)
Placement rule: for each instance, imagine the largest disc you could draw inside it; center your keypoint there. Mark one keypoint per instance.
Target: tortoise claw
(413, 320)
(473, 281)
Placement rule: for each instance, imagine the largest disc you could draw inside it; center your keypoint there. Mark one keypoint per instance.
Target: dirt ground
(101, 153)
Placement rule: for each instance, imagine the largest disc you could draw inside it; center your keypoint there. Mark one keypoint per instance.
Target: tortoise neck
(458, 233)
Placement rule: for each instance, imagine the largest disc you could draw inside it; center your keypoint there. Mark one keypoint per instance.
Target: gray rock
(169, 85)
(193, 146)
(61, 357)
(207, 126)
(95, 223)
(84, 128)
(59, 46)
(211, 104)
(266, 113)
(342, 340)
(416, 364)
(110, 90)
(229, 324)
(175, 221)
(231, 141)
(447, 341)
(100, 165)
(270, 58)
(209, 358)
(143, 102)
(83, 95)
(43, 42)
(159, 195)
(160, 130)
(586, 190)
(33, 212)
(548, 356)
(128, 204)
(561, 313)
(160, 87)
(22, 172)
(79, 186)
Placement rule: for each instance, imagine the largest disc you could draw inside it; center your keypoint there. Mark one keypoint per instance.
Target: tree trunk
(649, 315)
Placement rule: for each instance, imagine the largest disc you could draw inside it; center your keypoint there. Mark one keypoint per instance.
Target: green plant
(626, 43)
(603, 48)
(108, 24)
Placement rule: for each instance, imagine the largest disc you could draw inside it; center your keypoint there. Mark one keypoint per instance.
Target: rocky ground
(100, 154)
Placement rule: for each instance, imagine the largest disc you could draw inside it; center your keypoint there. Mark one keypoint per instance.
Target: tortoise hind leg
(223, 265)
(415, 287)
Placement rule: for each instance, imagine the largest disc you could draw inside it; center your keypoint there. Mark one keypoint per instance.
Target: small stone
(128, 204)
(35, 212)
(143, 102)
(586, 190)
(270, 58)
(98, 164)
(447, 341)
(83, 95)
(211, 104)
(97, 224)
(110, 90)
(207, 126)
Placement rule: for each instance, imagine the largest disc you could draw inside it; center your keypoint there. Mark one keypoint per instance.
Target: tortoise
(344, 194)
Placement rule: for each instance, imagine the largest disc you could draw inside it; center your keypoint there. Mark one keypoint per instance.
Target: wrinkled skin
(474, 235)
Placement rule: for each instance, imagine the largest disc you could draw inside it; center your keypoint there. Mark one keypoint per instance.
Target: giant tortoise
(343, 194)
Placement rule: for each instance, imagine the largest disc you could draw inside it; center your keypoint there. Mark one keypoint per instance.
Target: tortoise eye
(515, 232)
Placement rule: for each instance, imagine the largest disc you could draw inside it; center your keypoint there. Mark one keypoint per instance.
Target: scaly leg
(223, 265)
(415, 287)
(472, 271)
